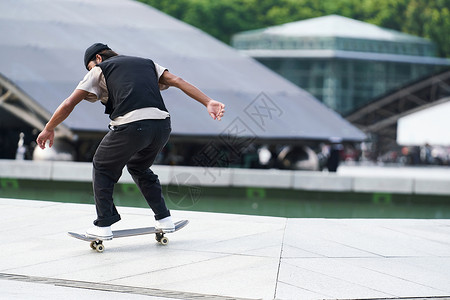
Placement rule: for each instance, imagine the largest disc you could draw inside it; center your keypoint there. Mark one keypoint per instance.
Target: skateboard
(97, 244)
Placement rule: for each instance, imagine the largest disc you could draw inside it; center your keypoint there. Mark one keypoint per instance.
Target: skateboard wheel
(164, 241)
(100, 248)
(94, 245)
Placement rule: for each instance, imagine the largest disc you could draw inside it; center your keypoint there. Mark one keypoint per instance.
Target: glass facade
(344, 84)
(343, 62)
(411, 46)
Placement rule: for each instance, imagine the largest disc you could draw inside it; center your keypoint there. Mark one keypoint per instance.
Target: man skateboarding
(129, 87)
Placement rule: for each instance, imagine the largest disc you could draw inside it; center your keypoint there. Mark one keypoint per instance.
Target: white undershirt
(95, 84)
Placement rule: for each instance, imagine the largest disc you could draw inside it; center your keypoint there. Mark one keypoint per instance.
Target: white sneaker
(165, 225)
(101, 233)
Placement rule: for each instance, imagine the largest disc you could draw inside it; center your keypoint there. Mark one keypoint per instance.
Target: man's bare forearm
(60, 114)
(170, 79)
(192, 91)
(64, 109)
(215, 108)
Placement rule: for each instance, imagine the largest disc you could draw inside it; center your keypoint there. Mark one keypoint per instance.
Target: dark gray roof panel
(42, 48)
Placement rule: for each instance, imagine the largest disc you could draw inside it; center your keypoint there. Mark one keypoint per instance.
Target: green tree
(430, 19)
(222, 19)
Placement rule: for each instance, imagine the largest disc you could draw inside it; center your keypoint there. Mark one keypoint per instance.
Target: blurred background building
(366, 77)
(372, 76)
(41, 53)
(345, 63)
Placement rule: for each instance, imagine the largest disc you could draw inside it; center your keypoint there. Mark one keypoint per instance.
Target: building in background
(343, 62)
(41, 62)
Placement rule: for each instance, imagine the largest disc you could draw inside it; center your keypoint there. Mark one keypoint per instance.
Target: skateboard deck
(97, 244)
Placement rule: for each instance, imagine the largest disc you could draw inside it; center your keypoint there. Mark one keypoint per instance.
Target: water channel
(251, 200)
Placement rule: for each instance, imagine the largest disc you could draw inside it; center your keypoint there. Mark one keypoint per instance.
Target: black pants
(136, 146)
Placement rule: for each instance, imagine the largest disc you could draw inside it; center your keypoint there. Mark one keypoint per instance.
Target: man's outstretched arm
(215, 108)
(60, 114)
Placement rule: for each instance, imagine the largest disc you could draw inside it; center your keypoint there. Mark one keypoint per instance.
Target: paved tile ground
(220, 256)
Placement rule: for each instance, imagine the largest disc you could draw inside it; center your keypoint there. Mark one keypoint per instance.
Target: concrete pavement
(220, 256)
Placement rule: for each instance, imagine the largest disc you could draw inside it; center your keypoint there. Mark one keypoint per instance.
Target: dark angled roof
(42, 48)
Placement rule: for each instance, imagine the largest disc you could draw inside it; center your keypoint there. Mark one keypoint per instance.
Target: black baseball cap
(92, 51)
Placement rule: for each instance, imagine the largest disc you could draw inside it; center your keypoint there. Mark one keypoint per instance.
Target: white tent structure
(429, 126)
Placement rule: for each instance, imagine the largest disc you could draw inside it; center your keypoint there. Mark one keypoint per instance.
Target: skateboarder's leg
(150, 188)
(148, 182)
(116, 148)
(105, 174)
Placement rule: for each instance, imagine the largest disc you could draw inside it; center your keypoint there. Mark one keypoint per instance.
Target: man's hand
(215, 109)
(44, 136)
